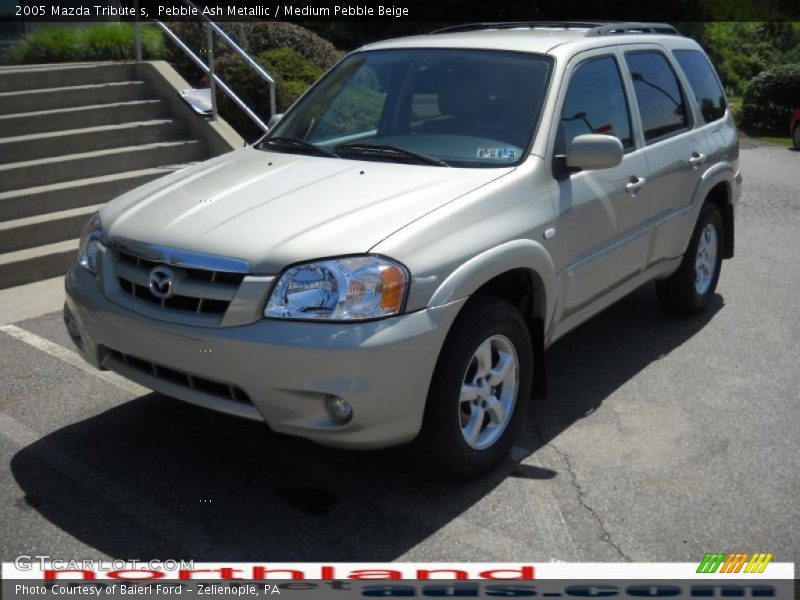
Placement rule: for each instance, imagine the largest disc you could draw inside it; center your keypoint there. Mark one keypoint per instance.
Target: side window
(704, 83)
(658, 94)
(595, 103)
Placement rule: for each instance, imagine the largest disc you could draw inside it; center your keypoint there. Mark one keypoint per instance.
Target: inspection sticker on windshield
(501, 153)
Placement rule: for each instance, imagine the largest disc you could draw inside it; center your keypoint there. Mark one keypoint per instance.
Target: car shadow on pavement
(590, 363)
(155, 478)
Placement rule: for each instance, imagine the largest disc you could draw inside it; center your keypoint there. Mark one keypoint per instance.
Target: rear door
(676, 150)
(601, 239)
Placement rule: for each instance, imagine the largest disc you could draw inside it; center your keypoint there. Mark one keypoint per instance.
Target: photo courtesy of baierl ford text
(401, 299)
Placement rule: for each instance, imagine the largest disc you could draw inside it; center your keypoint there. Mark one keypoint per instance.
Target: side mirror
(273, 120)
(594, 151)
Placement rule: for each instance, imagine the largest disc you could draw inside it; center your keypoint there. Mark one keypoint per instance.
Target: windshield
(460, 108)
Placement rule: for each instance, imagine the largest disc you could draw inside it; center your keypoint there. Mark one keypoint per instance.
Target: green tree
(742, 50)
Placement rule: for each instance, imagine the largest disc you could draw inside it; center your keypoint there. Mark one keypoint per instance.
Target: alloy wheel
(489, 392)
(705, 263)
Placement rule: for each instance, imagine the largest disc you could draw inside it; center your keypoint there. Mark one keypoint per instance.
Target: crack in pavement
(606, 535)
(581, 493)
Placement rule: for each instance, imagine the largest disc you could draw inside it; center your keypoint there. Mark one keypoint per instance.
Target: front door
(601, 239)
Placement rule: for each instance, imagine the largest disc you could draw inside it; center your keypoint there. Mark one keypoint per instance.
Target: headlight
(347, 289)
(87, 248)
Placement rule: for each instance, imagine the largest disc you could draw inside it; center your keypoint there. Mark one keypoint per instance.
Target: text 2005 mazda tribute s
(392, 259)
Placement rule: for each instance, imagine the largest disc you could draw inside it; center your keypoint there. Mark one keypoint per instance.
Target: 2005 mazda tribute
(392, 259)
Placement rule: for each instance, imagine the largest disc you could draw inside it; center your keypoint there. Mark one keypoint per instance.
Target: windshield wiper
(389, 151)
(300, 144)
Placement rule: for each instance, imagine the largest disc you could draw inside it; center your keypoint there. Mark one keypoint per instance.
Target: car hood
(273, 209)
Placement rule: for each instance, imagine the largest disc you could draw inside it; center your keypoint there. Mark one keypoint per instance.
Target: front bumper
(286, 368)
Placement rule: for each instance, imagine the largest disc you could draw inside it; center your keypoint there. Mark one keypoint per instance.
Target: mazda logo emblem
(162, 281)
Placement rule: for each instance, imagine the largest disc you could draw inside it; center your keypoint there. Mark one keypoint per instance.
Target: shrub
(742, 49)
(255, 38)
(290, 65)
(45, 46)
(193, 33)
(113, 41)
(117, 42)
(771, 97)
(268, 35)
(253, 90)
(294, 56)
(292, 73)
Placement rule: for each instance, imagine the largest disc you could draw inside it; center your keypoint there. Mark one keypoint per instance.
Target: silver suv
(392, 259)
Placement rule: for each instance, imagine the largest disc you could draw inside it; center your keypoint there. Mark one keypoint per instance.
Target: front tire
(480, 389)
(796, 137)
(689, 290)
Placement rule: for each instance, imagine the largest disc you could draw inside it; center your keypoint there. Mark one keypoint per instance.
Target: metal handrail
(208, 69)
(215, 78)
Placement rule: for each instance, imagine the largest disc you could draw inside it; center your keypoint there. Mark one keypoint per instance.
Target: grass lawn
(760, 137)
(786, 142)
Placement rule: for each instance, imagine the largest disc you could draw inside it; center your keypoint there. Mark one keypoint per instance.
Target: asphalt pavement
(661, 439)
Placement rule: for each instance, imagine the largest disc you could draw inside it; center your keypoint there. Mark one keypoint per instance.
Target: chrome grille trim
(196, 293)
(178, 257)
(187, 286)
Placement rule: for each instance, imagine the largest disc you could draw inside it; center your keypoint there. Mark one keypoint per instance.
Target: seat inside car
(466, 98)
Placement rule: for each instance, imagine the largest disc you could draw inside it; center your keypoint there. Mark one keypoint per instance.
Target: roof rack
(519, 25)
(593, 28)
(621, 28)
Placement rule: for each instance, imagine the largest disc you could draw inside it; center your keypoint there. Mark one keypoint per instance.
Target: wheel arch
(719, 185)
(520, 272)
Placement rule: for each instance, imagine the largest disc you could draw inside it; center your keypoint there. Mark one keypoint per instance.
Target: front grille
(198, 292)
(220, 390)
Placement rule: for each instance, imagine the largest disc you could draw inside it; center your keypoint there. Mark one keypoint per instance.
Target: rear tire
(480, 389)
(796, 137)
(689, 290)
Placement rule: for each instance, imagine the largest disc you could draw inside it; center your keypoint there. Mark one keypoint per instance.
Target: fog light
(339, 409)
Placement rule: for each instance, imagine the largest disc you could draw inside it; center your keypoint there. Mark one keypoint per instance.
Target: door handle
(697, 159)
(634, 185)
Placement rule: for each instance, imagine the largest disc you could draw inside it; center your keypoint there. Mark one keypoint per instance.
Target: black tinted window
(658, 94)
(704, 83)
(595, 103)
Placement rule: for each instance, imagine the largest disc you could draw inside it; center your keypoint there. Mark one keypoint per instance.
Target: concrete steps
(94, 115)
(40, 145)
(44, 229)
(28, 77)
(27, 202)
(34, 264)
(71, 96)
(73, 137)
(55, 169)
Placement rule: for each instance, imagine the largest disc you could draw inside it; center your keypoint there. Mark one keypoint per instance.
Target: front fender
(517, 254)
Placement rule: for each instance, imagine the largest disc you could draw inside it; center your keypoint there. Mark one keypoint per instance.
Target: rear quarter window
(704, 83)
